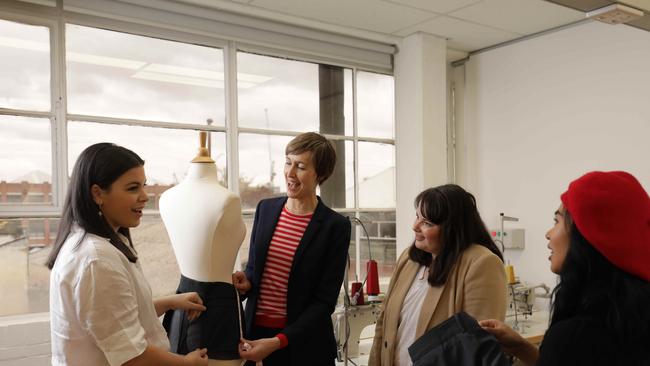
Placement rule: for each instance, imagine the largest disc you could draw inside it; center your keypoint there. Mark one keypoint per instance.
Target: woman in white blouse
(101, 309)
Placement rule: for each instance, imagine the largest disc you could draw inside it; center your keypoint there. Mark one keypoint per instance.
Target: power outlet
(511, 238)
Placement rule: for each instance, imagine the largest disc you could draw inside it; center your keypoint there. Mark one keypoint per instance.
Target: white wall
(539, 113)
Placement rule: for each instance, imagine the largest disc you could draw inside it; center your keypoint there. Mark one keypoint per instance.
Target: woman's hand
(153, 355)
(191, 302)
(241, 283)
(511, 342)
(198, 357)
(504, 334)
(258, 350)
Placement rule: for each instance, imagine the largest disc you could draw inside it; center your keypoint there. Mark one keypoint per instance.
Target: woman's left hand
(258, 350)
(190, 302)
(511, 342)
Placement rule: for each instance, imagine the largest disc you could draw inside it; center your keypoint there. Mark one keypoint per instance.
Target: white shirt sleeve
(107, 308)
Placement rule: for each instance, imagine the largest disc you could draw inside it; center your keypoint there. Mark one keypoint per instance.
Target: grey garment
(217, 329)
(458, 341)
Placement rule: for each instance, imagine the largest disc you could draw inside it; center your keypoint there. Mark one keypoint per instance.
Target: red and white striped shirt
(272, 303)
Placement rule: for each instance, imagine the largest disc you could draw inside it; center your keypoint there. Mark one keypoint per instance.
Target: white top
(101, 310)
(409, 317)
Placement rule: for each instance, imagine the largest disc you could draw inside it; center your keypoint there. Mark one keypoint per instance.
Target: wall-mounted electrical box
(512, 238)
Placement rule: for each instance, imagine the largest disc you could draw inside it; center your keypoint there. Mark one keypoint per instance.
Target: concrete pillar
(420, 124)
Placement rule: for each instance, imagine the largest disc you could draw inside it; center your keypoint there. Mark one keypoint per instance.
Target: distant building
(35, 188)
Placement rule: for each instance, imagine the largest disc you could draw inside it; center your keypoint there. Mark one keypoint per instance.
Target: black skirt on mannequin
(217, 329)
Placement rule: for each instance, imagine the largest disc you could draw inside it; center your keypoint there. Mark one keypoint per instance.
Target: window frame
(53, 115)
(56, 20)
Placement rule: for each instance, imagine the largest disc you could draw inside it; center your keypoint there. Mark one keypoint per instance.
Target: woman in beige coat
(453, 265)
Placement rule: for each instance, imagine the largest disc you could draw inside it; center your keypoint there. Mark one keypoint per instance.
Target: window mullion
(58, 123)
(355, 148)
(232, 140)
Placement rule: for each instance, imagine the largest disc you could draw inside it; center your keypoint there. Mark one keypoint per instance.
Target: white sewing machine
(359, 317)
(521, 299)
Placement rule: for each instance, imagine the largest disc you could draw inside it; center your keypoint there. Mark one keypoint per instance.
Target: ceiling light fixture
(615, 14)
(145, 70)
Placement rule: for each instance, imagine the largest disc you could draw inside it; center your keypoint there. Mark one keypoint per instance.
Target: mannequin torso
(205, 226)
(204, 223)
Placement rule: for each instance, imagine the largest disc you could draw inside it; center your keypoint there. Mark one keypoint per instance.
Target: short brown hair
(322, 152)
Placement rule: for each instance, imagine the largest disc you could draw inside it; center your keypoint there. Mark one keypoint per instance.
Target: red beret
(612, 211)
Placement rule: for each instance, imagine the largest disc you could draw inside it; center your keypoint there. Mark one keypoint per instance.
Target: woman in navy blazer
(315, 272)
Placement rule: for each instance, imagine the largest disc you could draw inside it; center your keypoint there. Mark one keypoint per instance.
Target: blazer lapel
(272, 213)
(429, 306)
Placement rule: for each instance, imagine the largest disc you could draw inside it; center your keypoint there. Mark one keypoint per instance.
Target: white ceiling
(468, 25)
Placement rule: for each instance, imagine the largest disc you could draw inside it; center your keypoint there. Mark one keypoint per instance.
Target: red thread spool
(357, 293)
(372, 281)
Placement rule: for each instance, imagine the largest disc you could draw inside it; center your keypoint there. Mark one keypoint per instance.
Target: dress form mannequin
(205, 226)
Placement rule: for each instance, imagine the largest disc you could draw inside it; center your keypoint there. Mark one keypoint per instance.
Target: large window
(25, 148)
(152, 95)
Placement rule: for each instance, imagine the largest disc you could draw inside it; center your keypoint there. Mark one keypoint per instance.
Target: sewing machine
(521, 299)
(359, 317)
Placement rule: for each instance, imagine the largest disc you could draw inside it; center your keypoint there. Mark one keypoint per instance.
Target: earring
(99, 211)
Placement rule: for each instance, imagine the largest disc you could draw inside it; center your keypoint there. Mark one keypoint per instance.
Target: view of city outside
(117, 75)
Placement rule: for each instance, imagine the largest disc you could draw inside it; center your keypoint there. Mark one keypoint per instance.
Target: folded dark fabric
(458, 341)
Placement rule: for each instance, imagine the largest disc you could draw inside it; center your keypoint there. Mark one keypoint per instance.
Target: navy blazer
(314, 280)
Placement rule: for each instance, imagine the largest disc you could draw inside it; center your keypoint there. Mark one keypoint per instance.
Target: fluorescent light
(24, 44)
(154, 71)
(104, 61)
(258, 79)
(184, 71)
(177, 79)
(245, 85)
(73, 56)
(205, 74)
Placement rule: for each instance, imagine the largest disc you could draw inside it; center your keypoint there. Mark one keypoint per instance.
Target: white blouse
(409, 317)
(101, 309)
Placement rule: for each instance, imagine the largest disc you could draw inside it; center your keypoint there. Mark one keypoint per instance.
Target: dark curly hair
(454, 209)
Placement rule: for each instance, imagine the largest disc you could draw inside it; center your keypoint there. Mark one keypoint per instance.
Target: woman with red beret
(600, 248)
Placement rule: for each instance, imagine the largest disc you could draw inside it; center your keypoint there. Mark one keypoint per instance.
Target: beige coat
(477, 285)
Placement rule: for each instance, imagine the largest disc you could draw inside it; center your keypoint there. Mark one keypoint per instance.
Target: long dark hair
(454, 209)
(100, 164)
(591, 286)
